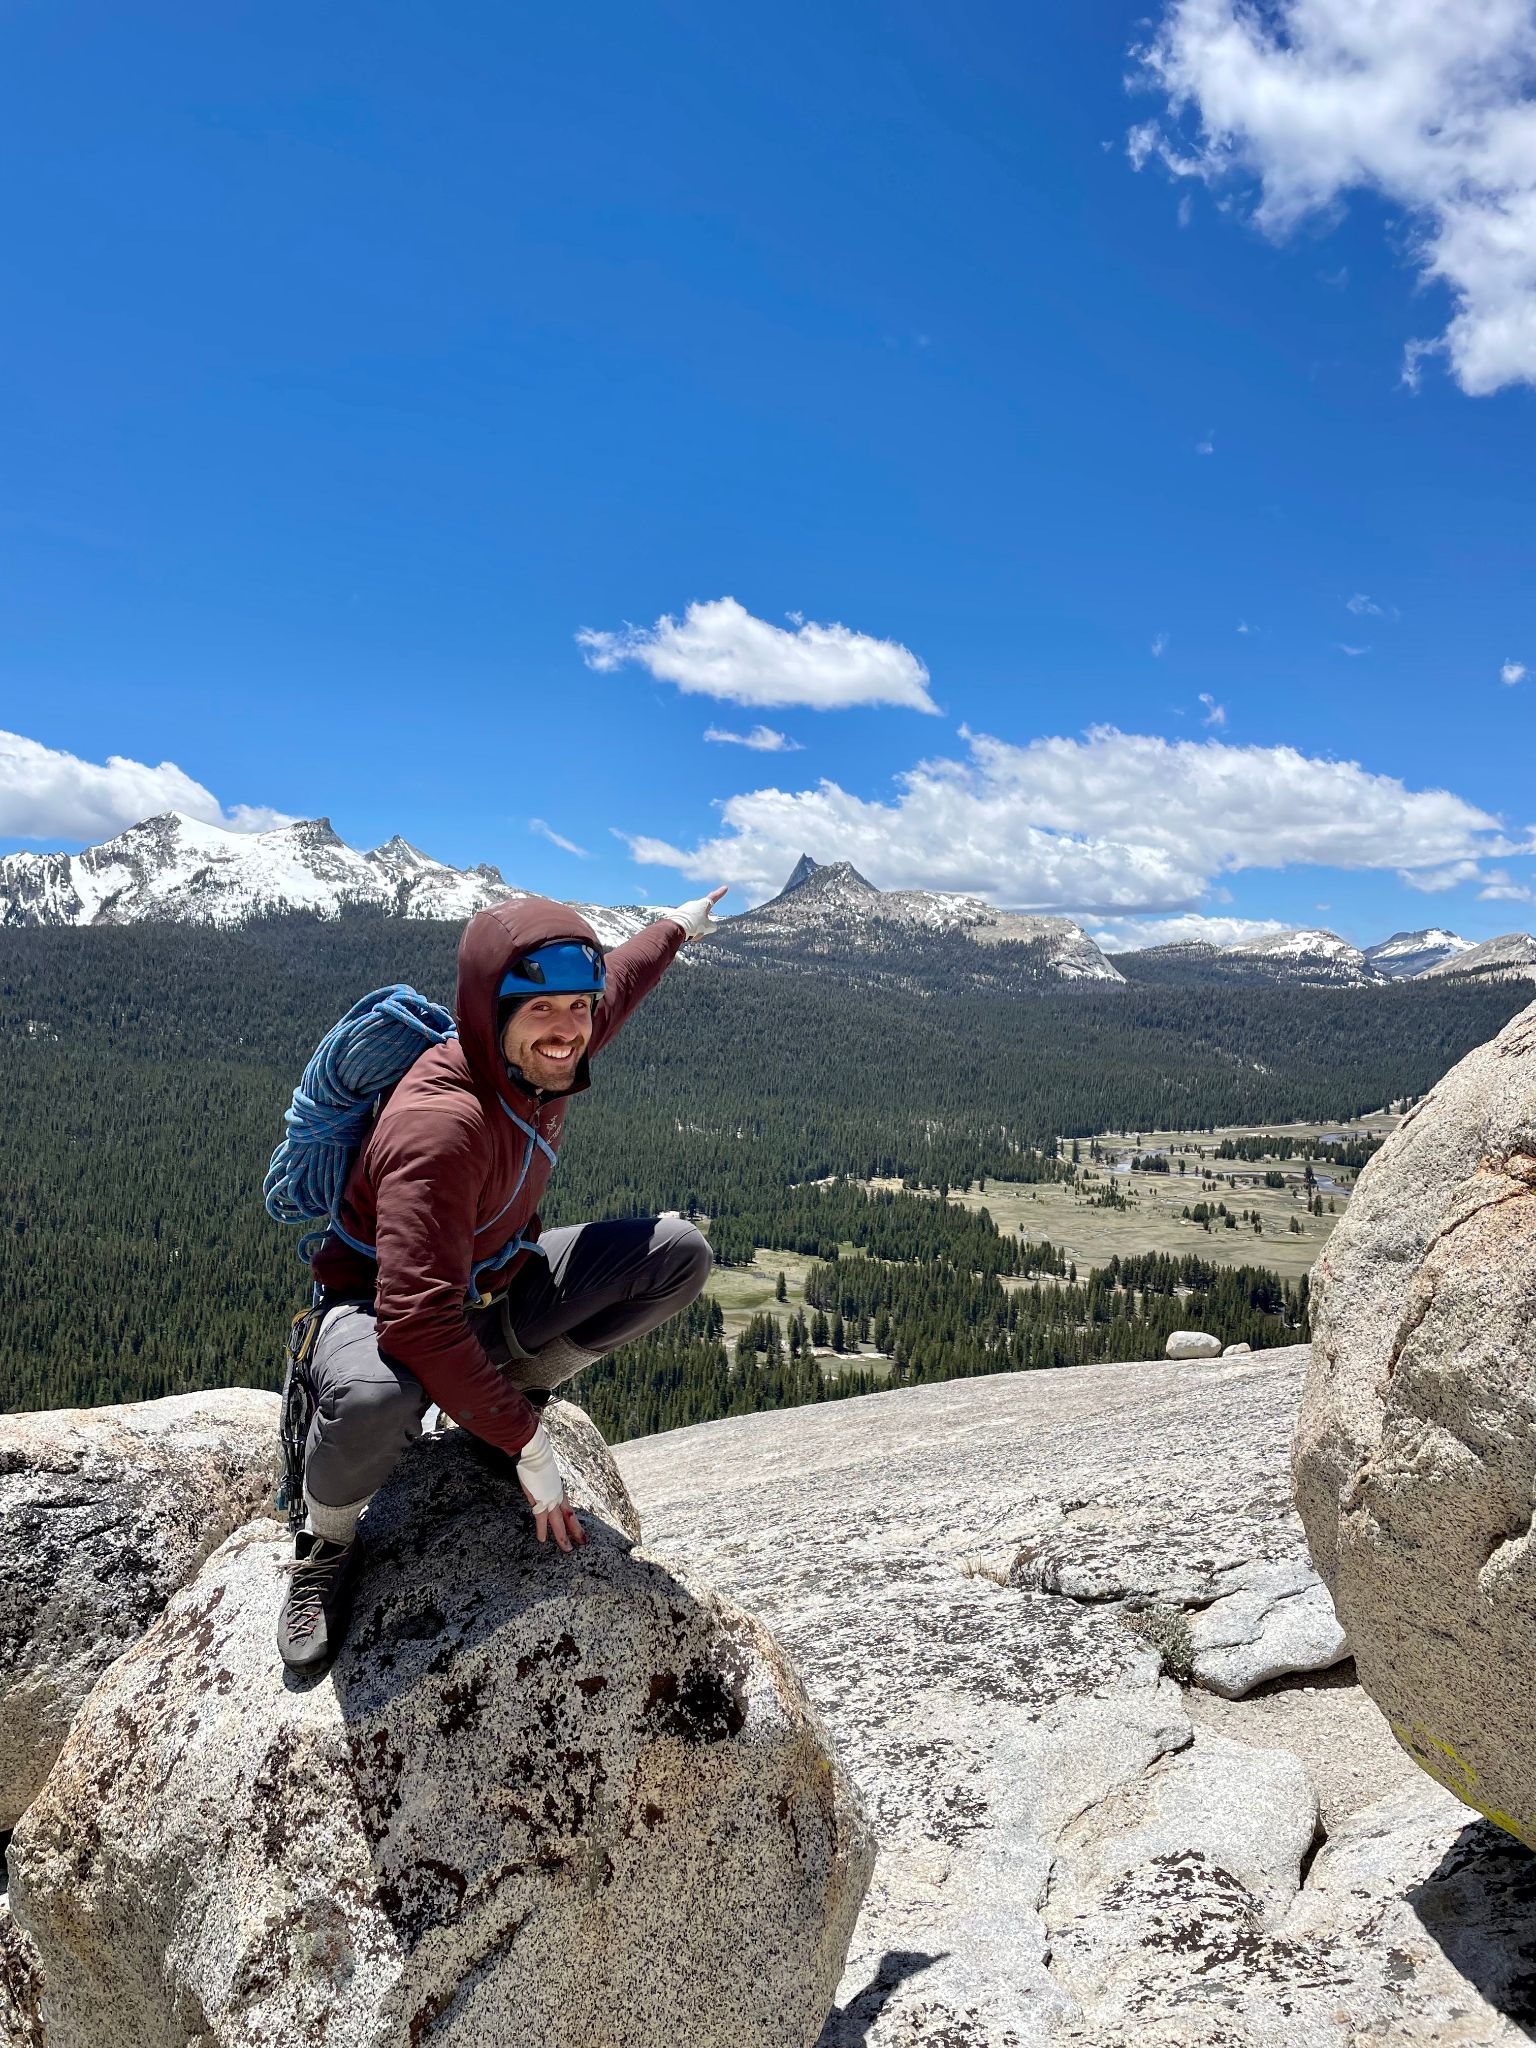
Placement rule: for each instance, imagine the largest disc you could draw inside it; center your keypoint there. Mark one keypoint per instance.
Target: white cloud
(1215, 714)
(1345, 648)
(557, 839)
(1513, 672)
(1362, 606)
(1243, 626)
(1206, 446)
(1423, 103)
(1110, 823)
(762, 739)
(1501, 887)
(720, 650)
(1130, 934)
(1435, 881)
(1159, 646)
(48, 794)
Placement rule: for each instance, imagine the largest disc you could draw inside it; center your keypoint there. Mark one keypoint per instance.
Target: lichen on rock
(538, 1797)
(106, 1512)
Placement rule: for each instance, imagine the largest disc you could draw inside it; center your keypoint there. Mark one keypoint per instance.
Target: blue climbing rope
(378, 1040)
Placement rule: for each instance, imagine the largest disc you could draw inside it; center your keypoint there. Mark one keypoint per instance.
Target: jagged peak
(400, 849)
(319, 831)
(830, 879)
(839, 874)
(161, 823)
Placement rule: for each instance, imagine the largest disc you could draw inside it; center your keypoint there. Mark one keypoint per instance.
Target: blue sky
(356, 361)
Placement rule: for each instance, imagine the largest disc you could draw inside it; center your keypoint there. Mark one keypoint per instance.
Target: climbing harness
(297, 1412)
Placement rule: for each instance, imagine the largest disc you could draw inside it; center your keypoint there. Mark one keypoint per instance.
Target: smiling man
(436, 1283)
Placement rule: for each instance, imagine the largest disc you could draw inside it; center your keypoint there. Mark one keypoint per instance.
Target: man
(435, 1281)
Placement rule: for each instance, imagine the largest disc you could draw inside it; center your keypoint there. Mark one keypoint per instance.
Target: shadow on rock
(1479, 1904)
(848, 2026)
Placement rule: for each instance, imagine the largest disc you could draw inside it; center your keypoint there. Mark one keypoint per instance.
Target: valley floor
(1092, 1235)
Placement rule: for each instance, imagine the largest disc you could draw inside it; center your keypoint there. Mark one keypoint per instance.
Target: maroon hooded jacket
(447, 1177)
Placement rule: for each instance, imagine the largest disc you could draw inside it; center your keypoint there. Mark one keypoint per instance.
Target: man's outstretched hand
(694, 917)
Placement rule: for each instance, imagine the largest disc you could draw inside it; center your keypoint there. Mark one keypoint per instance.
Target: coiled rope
(376, 1042)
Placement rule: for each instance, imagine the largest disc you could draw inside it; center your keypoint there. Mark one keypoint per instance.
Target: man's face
(546, 1036)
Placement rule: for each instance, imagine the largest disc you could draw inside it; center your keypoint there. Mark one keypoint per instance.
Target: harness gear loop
(298, 1410)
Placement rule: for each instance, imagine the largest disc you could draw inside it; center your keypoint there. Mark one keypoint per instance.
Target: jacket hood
(492, 940)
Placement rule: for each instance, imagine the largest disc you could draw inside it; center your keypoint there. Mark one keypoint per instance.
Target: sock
(336, 1525)
(552, 1364)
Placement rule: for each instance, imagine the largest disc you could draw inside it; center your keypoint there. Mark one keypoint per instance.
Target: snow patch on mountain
(1509, 957)
(1306, 944)
(1406, 955)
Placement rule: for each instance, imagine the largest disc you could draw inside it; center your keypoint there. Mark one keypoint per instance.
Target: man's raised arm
(635, 966)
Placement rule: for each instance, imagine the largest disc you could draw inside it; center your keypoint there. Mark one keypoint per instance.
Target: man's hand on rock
(561, 1523)
(539, 1477)
(694, 917)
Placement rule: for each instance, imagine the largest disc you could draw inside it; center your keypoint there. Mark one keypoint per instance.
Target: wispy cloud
(1130, 934)
(1159, 646)
(1501, 887)
(719, 649)
(557, 838)
(1435, 881)
(1345, 648)
(1215, 714)
(1513, 672)
(1424, 105)
(1206, 445)
(1243, 626)
(46, 793)
(1367, 607)
(762, 739)
(1110, 823)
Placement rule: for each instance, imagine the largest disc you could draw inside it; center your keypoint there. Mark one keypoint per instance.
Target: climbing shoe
(315, 1614)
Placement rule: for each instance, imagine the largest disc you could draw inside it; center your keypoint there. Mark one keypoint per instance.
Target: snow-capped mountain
(178, 868)
(835, 906)
(1406, 955)
(1313, 954)
(1510, 957)
(1306, 957)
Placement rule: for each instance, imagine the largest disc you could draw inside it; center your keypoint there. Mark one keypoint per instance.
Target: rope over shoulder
(379, 1039)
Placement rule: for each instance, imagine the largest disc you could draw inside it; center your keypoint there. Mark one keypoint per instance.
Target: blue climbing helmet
(566, 967)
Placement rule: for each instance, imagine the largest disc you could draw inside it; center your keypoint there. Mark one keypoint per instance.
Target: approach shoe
(319, 1603)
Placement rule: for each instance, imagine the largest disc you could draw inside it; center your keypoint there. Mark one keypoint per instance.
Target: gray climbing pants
(596, 1286)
